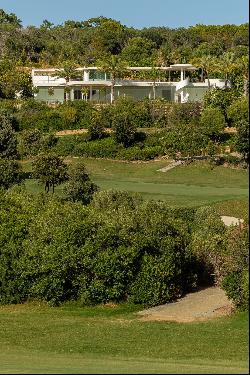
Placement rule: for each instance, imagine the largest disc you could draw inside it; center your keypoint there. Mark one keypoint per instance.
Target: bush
(220, 98)
(213, 123)
(96, 128)
(137, 153)
(111, 250)
(67, 144)
(112, 200)
(101, 148)
(79, 186)
(236, 287)
(10, 173)
(209, 244)
(8, 140)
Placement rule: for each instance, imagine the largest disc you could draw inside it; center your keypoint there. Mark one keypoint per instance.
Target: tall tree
(113, 65)
(208, 64)
(226, 65)
(67, 72)
(243, 67)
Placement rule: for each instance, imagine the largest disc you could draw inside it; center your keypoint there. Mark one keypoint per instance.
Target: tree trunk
(202, 75)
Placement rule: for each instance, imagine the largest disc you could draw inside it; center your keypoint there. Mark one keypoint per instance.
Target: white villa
(95, 85)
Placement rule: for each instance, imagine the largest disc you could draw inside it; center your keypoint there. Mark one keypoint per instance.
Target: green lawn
(192, 185)
(36, 338)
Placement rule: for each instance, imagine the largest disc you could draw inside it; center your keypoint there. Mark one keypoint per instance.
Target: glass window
(77, 95)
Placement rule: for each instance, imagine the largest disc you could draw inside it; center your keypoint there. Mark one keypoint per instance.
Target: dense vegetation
(99, 246)
(117, 248)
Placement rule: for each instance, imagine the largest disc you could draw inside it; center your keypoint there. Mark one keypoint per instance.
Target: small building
(95, 85)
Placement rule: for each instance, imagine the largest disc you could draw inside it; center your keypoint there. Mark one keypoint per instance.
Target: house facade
(95, 85)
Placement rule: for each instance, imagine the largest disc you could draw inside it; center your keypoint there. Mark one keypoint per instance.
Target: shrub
(112, 200)
(79, 187)
(17, 210)
(31, 142)
(101, 148)
(209, 244)
(124, 128)
(220, 98)
(236, 287)
(8, 140)
(10, 173)
(96, 127)
(137, 153)
(213, 123)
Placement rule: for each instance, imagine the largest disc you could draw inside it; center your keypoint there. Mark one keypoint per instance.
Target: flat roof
(174, 67)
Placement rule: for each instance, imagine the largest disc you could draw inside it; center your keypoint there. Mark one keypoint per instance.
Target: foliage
(10, 173)
(236, 286)
(96, 127)
(238, 113)
(79, 186)
(112, 200)
(213, 122)
(16, 212)
(8, 140)
(220, 98)
(50, 170)
(209, 244)
(68, 251)
(124, 128)
(31, 142)
(242, 140)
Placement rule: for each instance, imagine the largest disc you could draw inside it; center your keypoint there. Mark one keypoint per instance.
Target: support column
(86, 75)
(182, 75)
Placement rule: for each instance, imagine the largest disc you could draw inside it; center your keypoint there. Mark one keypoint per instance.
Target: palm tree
(226, 64)
(85, 92)
(154, 74)
(207, 63)
(67, 72)
(116, 67)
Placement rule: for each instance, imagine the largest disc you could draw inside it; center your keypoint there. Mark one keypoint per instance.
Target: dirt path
(208, 303)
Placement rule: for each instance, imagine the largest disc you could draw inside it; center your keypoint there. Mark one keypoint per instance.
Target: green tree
(50, 170)
(226, 65)
(238, 113)
(113, 65)
(31, 142)
(8, 140)
(243, 67)
(68, 72)
(242, 140)
(213, 122)
(10, 173)
(9, 19)
(123, 123)
(96, 128)
(79, 187)
(208, 65)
